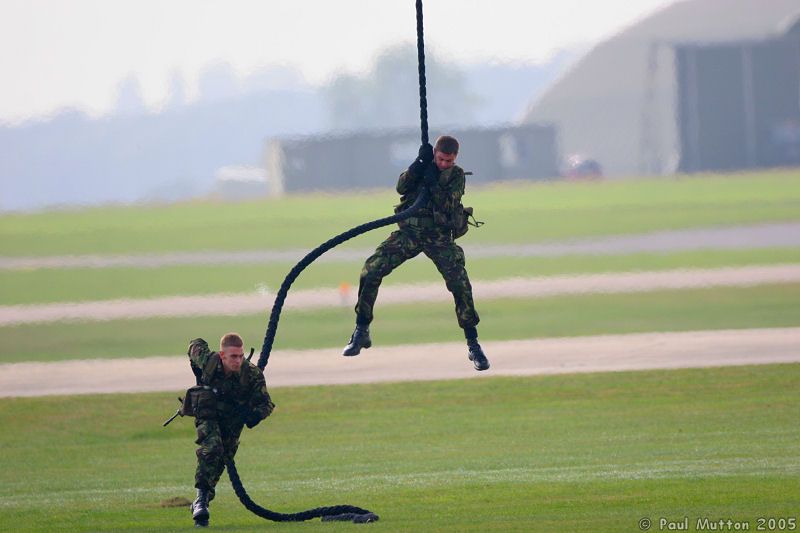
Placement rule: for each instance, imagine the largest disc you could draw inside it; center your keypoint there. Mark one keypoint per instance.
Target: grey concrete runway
(756, 236)
(423, 362)
(535, 287)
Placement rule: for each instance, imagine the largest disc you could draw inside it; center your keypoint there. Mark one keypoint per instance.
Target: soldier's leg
(230, 443)
(209, 454)
(209, 462)
(449, 260)
(391, 253)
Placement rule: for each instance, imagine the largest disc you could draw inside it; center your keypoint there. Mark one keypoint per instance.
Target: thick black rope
(277, 306)
(275, 315)
(336, 512)
(423, 98)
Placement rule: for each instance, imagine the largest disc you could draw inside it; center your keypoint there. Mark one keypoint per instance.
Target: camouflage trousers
(217, 440)
(405, 244)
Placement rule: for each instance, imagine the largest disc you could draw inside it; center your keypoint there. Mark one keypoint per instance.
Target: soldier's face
(443, 161)
(232, 358)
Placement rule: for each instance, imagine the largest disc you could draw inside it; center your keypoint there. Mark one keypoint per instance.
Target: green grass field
(80, 284)
(593, 452)
(677, 310)
(516, 212)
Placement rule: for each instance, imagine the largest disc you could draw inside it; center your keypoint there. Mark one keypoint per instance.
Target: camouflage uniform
(430, 231)
(241, 397)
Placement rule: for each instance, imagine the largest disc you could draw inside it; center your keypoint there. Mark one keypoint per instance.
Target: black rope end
(356, 518)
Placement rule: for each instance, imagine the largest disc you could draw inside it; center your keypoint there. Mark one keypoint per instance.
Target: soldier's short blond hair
(231, 340)
(446, 144)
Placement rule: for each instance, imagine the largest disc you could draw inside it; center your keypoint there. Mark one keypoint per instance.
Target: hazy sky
(57, 53)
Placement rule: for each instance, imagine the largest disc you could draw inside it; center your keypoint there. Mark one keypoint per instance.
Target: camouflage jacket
(445, 204)
(237, 393)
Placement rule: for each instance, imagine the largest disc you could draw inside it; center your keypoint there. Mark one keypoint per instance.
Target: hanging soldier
(432, 231)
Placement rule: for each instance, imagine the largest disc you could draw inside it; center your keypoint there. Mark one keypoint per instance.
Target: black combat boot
(200, 509)
(476, 355)
(359, 339)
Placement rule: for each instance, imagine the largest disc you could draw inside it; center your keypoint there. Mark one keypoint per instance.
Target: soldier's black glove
(425, 153)
(424, 158)
(252, 420)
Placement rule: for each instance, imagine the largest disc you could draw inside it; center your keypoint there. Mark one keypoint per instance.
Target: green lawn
(676, 310)
(594, 452)
(80, 284)
(516, 212)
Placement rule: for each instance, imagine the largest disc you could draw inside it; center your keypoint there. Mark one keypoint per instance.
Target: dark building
(374, 159)
(739, 104)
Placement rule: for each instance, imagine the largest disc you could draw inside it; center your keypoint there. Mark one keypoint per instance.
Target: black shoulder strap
(245, 374)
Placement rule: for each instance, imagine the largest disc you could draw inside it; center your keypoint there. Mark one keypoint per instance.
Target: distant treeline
(136, 155)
